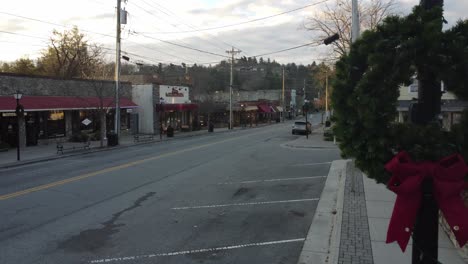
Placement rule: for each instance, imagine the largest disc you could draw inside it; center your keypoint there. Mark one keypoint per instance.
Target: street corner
(323, 239)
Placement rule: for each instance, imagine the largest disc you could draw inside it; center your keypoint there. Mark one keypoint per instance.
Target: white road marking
(311, 164)
(148, 256)
(275, 180)
(243, 204)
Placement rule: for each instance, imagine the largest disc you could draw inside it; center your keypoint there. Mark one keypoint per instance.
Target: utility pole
(304, 89)
(427, 110)
(232, 52)
(282, 99)
(117, 74)
(356, 27)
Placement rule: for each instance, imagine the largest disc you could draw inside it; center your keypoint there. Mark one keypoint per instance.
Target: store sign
(86, 122)
(174, 94)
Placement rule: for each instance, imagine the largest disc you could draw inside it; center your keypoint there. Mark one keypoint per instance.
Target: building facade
(451, 107)
(56, 108)
(162, 106)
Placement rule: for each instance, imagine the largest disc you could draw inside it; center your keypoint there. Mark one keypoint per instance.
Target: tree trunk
(102, 117)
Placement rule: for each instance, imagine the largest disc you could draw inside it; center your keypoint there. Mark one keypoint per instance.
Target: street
(234, 197)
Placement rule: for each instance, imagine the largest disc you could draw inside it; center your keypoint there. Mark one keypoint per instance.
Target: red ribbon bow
(448, 181)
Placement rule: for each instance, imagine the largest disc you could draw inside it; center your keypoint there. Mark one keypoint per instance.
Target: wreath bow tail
(406, 182)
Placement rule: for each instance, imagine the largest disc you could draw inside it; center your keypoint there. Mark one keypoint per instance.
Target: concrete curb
(322, 244)
(99, 149)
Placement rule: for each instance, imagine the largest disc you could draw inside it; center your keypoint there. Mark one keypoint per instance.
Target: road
(234, 197)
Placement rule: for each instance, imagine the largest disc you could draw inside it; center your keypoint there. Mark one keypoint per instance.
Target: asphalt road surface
(234, 197)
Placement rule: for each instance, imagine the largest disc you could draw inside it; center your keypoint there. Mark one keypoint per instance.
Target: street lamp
(19, 111)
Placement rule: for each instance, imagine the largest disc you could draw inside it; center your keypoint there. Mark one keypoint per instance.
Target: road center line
(274, 180)
(204, 250)
(119, 167)
(243, 204)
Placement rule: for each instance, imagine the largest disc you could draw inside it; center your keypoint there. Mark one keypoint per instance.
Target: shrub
(79, 137)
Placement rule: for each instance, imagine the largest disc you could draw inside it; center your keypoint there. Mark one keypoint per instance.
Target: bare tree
(69, 55)
(97, 82)
(336, 18)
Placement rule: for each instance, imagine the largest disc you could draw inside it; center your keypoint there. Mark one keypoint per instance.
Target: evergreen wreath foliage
(366, 89)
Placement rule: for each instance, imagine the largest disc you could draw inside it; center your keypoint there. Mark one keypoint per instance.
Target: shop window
(457, 118)
(56, 124)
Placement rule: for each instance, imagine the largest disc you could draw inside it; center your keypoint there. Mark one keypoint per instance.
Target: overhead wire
(168, 42)
(191, 25)
(288, 49)
(55, 24)
(67, 26)
(245, 22)
(182, 46)
(158, 50)
(102, 47)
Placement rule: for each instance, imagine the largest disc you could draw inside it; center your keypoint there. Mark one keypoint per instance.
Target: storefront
(175, 108)
(50, 117)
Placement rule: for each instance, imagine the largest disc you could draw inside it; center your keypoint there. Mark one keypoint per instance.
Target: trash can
(112, 139)
(211, 127)
(170, 131)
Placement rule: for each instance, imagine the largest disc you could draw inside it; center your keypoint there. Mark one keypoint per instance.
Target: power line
(169, 22)
(66, 26)
(191, 25)
(54, 24)
(182, 46)
(24, 35)
(288, 49)
(164, 21)
(245, 22)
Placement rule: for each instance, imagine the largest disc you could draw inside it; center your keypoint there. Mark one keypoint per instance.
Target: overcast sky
(158, 19)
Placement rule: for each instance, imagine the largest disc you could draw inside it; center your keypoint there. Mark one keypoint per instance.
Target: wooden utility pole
(232, 52)
(117, 73)
(282, 99)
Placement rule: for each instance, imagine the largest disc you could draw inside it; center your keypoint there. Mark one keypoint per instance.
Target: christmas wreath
(366, 89)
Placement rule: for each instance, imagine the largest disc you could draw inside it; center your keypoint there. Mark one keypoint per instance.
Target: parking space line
(195, 251)
(311, 164)
(244, 204)
(274, 180)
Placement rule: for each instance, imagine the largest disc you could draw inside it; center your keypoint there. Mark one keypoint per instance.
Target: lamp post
(19, 111)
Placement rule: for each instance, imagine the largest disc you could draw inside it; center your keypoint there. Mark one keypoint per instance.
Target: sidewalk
(41, 153)
(351, 220)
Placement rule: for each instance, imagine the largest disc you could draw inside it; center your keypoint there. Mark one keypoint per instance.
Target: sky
(26, 25)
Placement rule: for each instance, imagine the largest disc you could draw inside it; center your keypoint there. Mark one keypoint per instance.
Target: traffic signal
(331, 39)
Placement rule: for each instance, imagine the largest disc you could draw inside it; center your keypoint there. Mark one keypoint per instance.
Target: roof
(47, 103)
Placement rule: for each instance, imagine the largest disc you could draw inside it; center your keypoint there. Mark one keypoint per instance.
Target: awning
(234, 108)
(176, 107)
(279, 108)
(250, 108)
(264, 108)
(51, 103)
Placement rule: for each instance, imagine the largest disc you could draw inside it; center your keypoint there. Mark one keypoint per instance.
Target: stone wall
(47, 86)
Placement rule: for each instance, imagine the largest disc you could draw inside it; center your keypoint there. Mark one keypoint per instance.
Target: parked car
(301, 127)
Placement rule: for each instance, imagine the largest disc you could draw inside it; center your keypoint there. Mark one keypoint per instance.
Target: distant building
(451, 107)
